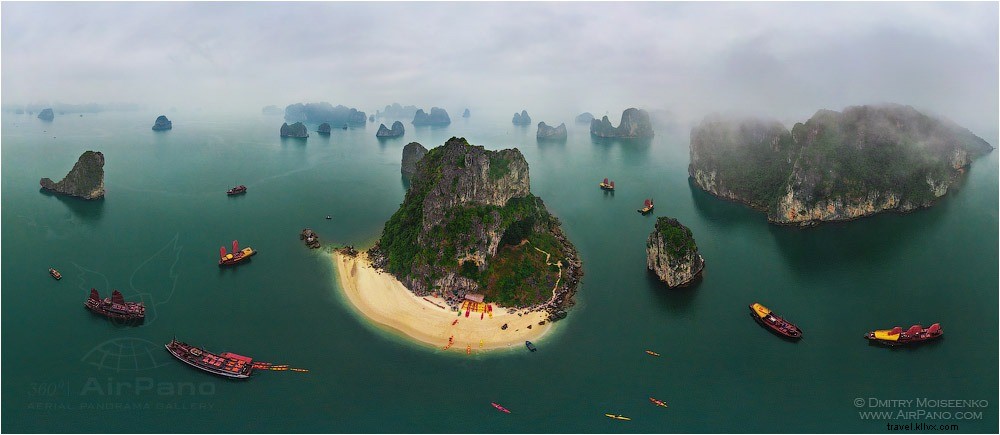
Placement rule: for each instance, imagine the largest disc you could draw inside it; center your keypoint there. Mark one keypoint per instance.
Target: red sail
(94, 295)
(612, 184)
(605, 181)
(647, 203)
(117, 298)
(915, 329)
(236, 247)
(222, 251)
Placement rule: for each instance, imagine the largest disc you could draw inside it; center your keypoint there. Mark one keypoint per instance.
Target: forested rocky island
(672, 254)
(469, 224)
(397, 130)
(635, 124)
(85, 180)
(836, 166)
(437, 116)
(316, 113)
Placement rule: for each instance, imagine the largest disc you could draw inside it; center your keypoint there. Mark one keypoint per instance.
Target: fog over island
(782, 60)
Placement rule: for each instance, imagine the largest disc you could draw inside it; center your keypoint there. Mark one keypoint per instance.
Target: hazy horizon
(775, 60)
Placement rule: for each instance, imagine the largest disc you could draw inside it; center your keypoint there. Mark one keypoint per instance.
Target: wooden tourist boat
(773, 322)
(897, 337)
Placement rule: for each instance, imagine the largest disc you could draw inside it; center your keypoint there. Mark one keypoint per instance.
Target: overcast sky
(783, 60)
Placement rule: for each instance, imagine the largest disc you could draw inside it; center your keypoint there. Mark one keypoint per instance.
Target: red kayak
(497, 406)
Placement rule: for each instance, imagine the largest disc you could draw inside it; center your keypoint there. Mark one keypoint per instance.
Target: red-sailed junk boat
(606, 185)
(225, 364)
(896, 336)
(238, 256)
(772, 321)
(237, 190)
(115, 307)
(647, 207)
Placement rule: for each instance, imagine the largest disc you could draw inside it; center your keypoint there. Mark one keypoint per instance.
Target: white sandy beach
(385, 301)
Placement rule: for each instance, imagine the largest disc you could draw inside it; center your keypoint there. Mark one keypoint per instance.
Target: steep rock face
(396, 131)
(469, 224)
(46, 115)
(323, 128)
(521, 118)
(672, 253)
(162, 123)
(466, 113)
(836, 166)
(295, 130)
(549, 132)
(635, 124)
(438, 116)
(85, 180)
(584, 118)
(371, 118)
(315, 113)
(412, 153)
(397, 111)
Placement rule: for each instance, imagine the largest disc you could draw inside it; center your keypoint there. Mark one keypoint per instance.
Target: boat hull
(897, 343)
(793, 335)
(183, 354)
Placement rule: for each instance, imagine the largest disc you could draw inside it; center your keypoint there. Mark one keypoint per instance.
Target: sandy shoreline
(384, 300)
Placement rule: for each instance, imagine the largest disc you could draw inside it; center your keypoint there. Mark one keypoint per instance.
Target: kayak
(497, 406)
(617, 417)
(652, 353)
(658, 402)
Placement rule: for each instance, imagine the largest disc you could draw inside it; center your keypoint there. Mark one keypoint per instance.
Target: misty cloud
(782, 60)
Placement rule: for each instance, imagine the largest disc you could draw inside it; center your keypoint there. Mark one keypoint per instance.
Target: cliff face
(635, 124)
(672, 253)
(162, 123)
(438, 116)
(295, 130)
(412, 153)
(521, 118)
(469, 224)
(323, 128)
(549, 132)
(396, 131)
(835, 166)
(85, 180)
(46, 115)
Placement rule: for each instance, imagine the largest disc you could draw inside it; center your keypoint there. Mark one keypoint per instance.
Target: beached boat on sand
(530, 346)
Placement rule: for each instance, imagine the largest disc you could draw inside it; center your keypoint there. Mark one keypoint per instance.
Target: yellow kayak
(617, 417)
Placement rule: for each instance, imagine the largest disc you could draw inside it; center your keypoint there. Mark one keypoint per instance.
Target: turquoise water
(157, 234)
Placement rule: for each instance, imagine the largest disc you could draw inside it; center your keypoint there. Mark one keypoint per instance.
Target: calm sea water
(157, 234)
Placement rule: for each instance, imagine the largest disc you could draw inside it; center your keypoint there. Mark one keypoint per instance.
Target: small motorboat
(896, 336)
(617, 417)
(237, 190)
(328, 217)
(500, 408)
(652, 353)
(55, 274)
(658, 402)
(530, 346)
(773, 322)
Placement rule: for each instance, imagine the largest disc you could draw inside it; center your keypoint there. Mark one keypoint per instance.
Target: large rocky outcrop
(836, 166)
(323, 128)
(162, 123)
(397, 111)
(396, 131)
(412, 153)
(295, 130)
(547, 132)
(46, 115)
(466, 113)
(438, 116)
(635, 124)
(315, 113)
(584, 118)
(85, 180)
(672, 253)
(521, 118)
(469, 224)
